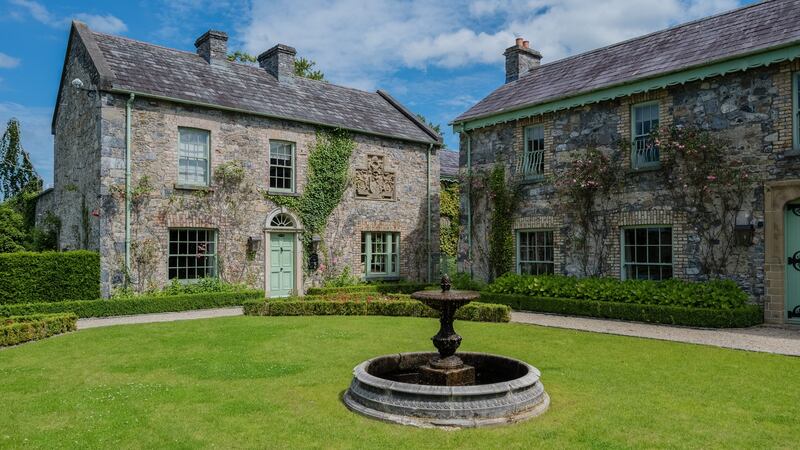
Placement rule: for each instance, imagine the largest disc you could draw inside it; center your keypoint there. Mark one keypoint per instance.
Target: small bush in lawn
(18, 329)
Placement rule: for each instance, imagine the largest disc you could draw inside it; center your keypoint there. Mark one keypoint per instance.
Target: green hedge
(478, 312)
(27, 277)
(18, 329)
(136, 305)
(380, 288)
(743, 316)
(716, 294)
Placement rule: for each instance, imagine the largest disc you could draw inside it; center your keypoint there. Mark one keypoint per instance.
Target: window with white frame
(533, 158)
(644, 120)
(647, 253)
(380, 254)
(281, 166)
(192, 253)
(193, 160)
(535, 252)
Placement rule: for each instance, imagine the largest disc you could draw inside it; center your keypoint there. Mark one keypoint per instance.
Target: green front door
(281, 261)
(792, 229)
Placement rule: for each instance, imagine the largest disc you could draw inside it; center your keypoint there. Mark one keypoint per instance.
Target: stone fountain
(446, 389)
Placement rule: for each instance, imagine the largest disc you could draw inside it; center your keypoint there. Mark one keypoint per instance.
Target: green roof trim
(740, 63)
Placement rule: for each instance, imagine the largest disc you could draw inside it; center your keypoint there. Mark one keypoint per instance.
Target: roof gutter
(738, 63)
(259, 114)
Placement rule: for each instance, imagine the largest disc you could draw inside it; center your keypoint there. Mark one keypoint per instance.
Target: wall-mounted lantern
(313, 258)
(743, 228)
(253, 244)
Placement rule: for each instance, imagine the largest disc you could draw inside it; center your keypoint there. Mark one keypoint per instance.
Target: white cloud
(8, 62)
(368, 41)
(102, 23)
(35, 132)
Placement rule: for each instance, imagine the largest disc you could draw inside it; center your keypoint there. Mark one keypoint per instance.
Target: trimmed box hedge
(136, 305)
(378, 288)
(18, 329)
(28, 277)
(477, 312)
(713, 294)
(743, 316)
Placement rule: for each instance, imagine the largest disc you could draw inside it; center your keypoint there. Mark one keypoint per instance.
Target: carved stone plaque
(374, 182)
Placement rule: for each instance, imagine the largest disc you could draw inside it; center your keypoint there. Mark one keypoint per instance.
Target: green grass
(276, 382)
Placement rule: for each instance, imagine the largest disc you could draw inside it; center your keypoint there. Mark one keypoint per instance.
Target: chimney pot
(526, 44)
(279, 61)
(519, 42)
(213, 46)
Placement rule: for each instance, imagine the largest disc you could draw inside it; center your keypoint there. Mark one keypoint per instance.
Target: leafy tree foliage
(303, 67)
(434, 126)
(12, 229)
(16, 170)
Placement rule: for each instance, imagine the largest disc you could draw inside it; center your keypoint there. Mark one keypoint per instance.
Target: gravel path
(757, 339)
(159, 317)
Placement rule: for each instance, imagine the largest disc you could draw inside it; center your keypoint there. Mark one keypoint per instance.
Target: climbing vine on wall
(449, 199)
(504, 195)
(711, 186)
(328, 163)
(585, 192)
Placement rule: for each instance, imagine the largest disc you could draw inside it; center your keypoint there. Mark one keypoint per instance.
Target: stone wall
(241, 212)
(751, 110)
(74, 198)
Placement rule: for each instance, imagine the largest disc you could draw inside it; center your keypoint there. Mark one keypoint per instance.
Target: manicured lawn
(277, 382)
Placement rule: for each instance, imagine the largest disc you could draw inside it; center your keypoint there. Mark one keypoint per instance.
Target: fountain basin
(506, 390)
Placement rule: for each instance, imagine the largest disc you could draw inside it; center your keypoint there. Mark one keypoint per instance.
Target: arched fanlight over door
(282, 220)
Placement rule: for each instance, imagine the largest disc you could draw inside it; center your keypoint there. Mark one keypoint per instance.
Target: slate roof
(746, 30)
(448, 164)
(149, 69)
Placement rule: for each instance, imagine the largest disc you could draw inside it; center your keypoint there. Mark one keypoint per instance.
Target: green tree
(434, 126)
(12, 229)
(302, 67)
(17, 174)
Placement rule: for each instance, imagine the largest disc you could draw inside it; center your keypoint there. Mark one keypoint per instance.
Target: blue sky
(436, 57)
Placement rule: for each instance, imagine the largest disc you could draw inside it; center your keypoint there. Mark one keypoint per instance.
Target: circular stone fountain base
(506, 390)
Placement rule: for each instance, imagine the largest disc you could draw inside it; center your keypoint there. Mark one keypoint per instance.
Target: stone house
(734, 75)
(173, 164)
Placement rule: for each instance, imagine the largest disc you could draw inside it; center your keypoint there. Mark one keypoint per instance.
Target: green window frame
(644, 120)
(380, 254)
(535, 252)
(796, 112)
(194, 150)
(647, 253)
(282, 166)
(533, 156)
(192, 253)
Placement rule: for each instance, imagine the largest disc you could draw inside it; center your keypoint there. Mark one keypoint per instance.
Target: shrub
(462, 280)
(380, 288)
(343, 279)
(742, 316)
(27, 277)
(18, 329)
(722, 294)
(136, 305)
(407, 308)
(177, 287)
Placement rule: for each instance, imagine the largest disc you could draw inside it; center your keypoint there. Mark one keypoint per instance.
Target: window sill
(192, 187)
(283, 193)
(793, 153)
(645, 169)
(540, 180)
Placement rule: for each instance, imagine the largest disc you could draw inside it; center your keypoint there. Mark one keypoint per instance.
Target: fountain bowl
(387, 388)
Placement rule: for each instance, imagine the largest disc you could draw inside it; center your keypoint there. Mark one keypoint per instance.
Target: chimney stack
(279, 61)
(213, 46)
(520, 59)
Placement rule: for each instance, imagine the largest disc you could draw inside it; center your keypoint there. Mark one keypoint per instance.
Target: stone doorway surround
(297, 230)
(776, 195)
